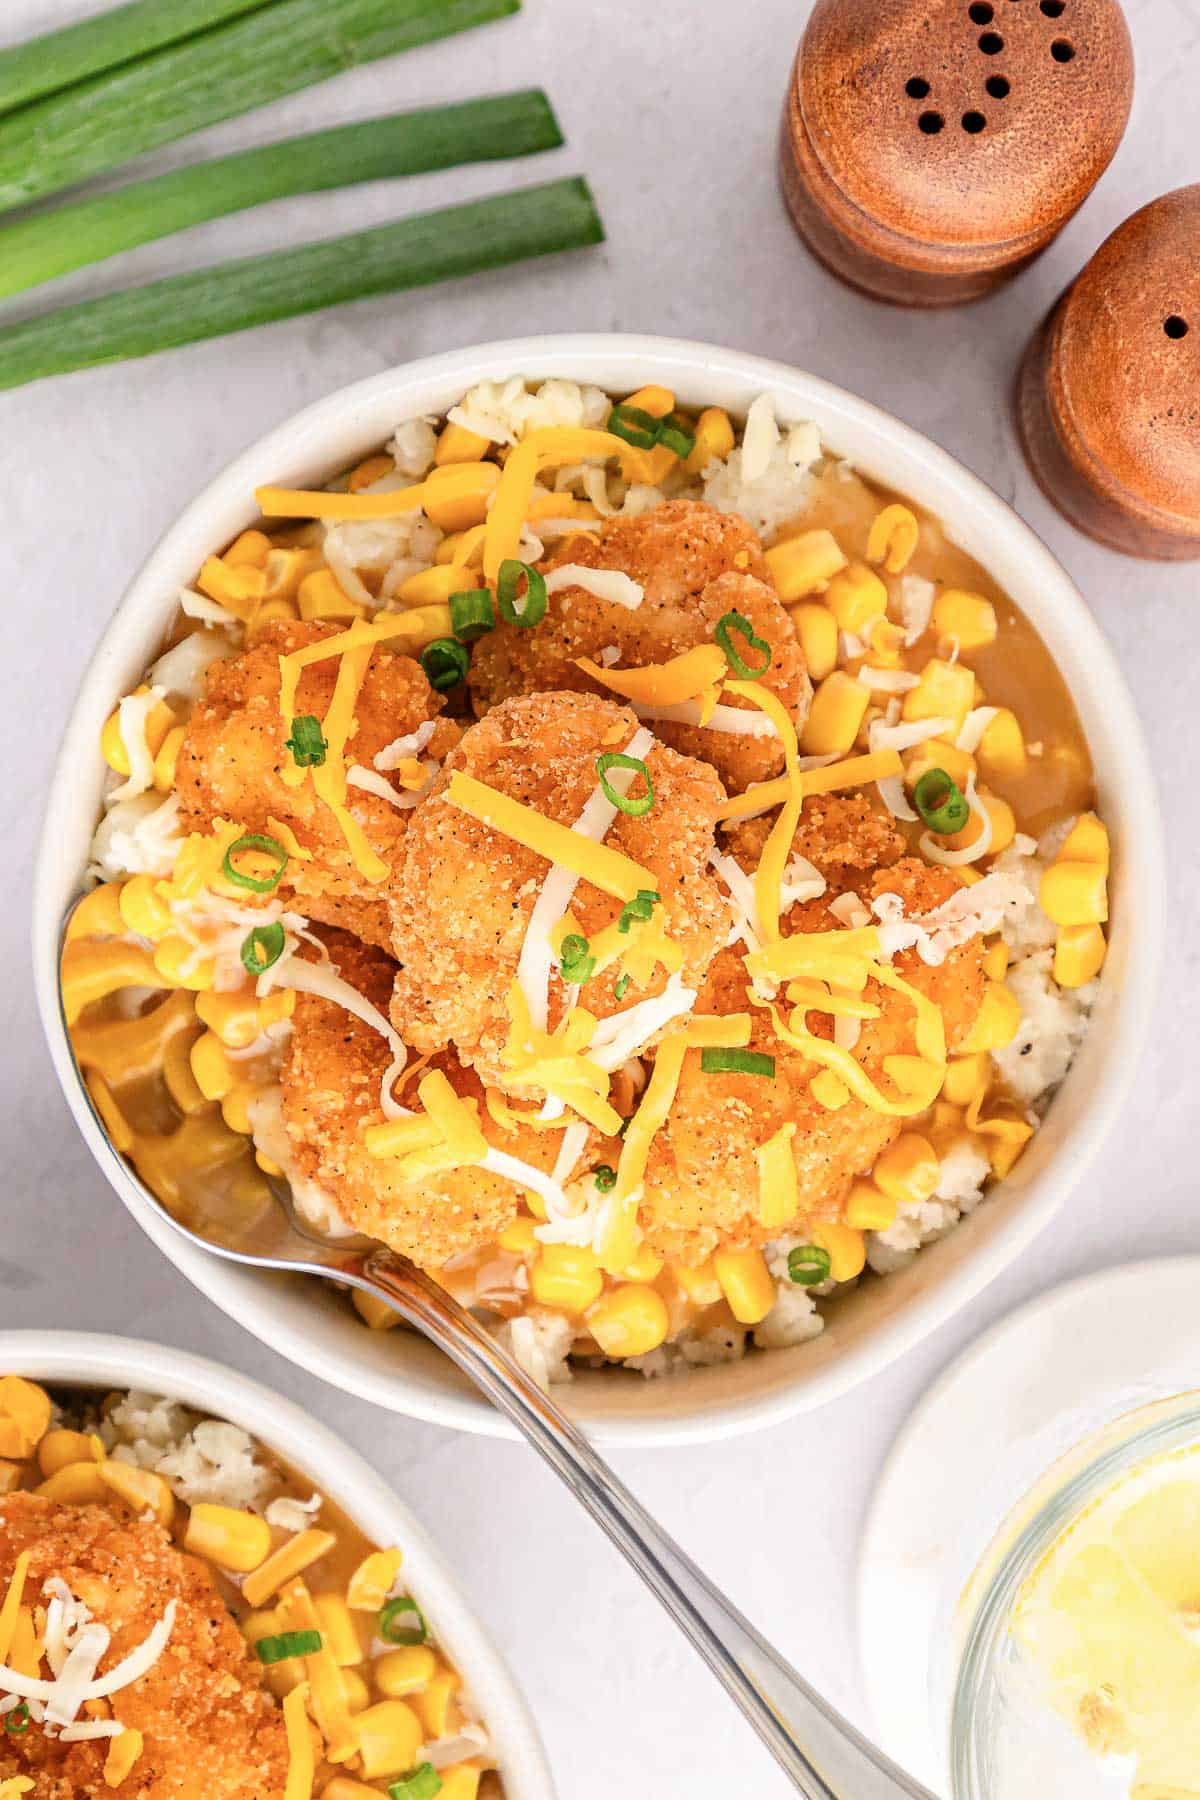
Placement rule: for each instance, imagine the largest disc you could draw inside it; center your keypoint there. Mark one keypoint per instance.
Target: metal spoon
(825, 1756)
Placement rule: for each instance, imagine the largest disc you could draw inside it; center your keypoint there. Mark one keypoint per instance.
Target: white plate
(1036, 1384)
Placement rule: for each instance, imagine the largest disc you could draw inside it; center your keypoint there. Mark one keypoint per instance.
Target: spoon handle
(824, 1755)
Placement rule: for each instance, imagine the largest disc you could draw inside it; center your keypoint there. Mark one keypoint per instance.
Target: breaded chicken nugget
(842, 835)
(210, 1727)
(230, 761)
(464, 892)
(701, 1188)
(695, 565)
(331, 1080)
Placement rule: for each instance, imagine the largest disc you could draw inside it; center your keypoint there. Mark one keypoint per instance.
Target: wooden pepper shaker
(1108, 398)
(931, 148)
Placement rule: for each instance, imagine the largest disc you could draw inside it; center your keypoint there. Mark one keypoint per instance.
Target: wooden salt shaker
(1108, 398)
(931, 148)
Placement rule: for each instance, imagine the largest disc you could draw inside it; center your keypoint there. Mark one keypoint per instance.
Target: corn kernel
(338, 1630)
(1001, 749)
(236, 586)
(714, 440)
(885, 645)
(804, 564)
(267, 612)
(428, 586)
(228, 1536)
(25, 1413)
(58, 1448)
(373, 1580)
(76, 1484)
(629, 1321)
(817, 631)
(893, 537)
(997, 1021)
(966, 1078)
(389, 1737)
(355, 1691)
(1003, 821)
(214, 1074)
(958, 764)
(518, 1238)
(98, 914)
(342, 1787)
(699, 1284)
(466, 547)
(434, 1701)
(869, 1210)
(908, 1171)
(372, 470)
(855, 597)
(117, 1127)
(177, 962)
(945, 690)
(461, 1781)
(274, 1008)
(1074, 893)
(995, 960)
(746, 1283)
(1079, 952)
(374, 1312)
(967, 618)
(645, 1266)
(457, 495)
(139, 1489)
(232, 1018)
(838, 709)
(1003, 1152)
(405, 1671)
(251, 549)
(565, 1277)
(829, 1090)
(321, 597)
(11, 1476)
(1087, 842)
(235, 1107)
(457, 444)
(845, 1247)
(167, 759)
(143, 910)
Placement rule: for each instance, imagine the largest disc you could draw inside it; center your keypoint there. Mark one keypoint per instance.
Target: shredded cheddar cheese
(778, 1193)
(697, 672)
(10, 1612)
(447, 1136)
(545, 449)
(768, 877)
(555, 1062)
(606, 868)
(124, 1752)
(301, 1765)
(854, 771)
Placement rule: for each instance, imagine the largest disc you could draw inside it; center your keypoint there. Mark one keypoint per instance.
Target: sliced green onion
(604, 1177)
(283, 284)
(508, 584)
(262, 949)
(220, 73)
(445, 663)
(640, 907)
(578, 965)
(471, 614)
(53, 243)
(674, 435)
(288, 1644)
(737, 1062)
(621, 986)
(269, 846)
(392, 1628)
(307, 742)
(736, 621)
(616, 759)
(422, 1784)
(808, 1265)
(941, 802)
(16, 1723)
(636, 427)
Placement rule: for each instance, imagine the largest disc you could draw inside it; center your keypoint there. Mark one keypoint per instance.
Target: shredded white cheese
(604, 584)
(936, 852)
(759, 438)
(974, 726)
(735, 721)
(916, 606)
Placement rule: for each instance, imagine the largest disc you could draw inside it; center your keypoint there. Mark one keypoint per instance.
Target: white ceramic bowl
(879, 1321)
(83, 1359)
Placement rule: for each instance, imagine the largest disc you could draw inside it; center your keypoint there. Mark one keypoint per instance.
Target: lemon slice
(1110, 1623)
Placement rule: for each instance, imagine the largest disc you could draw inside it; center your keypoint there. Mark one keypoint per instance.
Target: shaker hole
(916, 88)
(991, 43)
(931, 123)
(997, 86)
(1062, 51)
(1175, 327)
(973, 122)
(981, 13)
(1054, 9)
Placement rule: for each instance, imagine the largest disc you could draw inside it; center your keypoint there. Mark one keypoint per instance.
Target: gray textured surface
(672, 110)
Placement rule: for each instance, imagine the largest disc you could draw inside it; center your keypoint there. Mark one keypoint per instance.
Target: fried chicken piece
(230, 761)
(331, 1081)
(210, 1726)
(464, 892)
(842, 835)
(701, 1188)
(695, 564)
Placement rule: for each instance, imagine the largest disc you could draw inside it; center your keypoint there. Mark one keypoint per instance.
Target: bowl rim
(363, 413)
(96, 1359)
